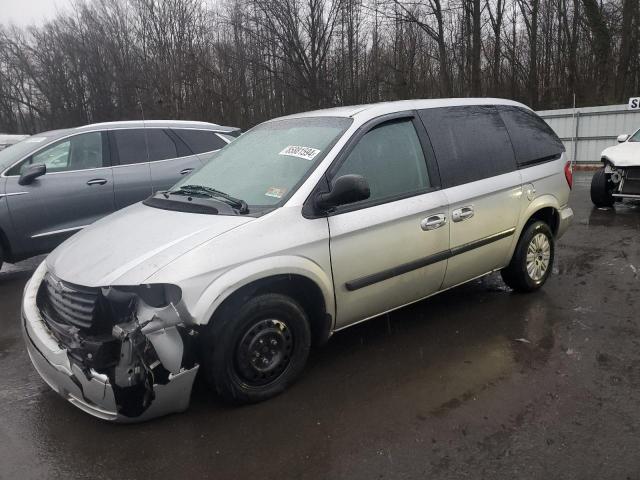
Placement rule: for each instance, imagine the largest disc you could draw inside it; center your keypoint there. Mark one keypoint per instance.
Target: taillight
(568, 174)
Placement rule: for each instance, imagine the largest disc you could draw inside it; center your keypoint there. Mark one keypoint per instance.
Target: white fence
(585, 132)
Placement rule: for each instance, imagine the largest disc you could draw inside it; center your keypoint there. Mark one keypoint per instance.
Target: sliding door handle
(460, 214)
(433, 222)
(186, 171)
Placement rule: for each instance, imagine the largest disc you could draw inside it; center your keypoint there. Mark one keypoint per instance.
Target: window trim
(309, 211)
(221, 135)
(106, 154)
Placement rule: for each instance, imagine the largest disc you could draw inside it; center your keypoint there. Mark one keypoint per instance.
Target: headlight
(155, 295)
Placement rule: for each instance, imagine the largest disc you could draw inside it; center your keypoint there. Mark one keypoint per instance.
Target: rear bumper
(565, 218)
(87, 389)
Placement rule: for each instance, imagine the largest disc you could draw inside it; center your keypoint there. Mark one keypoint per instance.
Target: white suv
(303, 226)
(620, 176)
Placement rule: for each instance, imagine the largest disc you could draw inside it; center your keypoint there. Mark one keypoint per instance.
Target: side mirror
(345, 189)
(31, 173)
(623, 138)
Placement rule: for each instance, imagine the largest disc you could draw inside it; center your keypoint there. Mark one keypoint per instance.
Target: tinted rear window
(533, 140)
(200, 141)
(470, 143)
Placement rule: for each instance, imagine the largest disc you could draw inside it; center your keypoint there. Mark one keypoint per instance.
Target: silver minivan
(55, 183)
(303, 226)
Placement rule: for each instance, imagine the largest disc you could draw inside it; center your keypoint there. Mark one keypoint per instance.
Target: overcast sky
(27, 12)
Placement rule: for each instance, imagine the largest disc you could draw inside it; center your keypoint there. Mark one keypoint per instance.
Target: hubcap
(538, 257)
(264, 352)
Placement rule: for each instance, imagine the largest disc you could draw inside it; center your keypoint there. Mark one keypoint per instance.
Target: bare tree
(244, 61)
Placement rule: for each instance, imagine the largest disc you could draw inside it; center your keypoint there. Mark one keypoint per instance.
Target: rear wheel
(602, 189)
(1, 257)
(256, 349)
(532, 260)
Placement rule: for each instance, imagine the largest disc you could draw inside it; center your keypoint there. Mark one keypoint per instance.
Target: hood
(626, 154)
(127, 247)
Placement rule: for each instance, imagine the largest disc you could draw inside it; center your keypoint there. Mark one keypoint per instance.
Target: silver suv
(303, 226)
(55, 183)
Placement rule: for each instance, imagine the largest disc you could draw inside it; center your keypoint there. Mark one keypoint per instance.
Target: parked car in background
(8, 140)
(303, 226)
(55, 183)
(619, 176)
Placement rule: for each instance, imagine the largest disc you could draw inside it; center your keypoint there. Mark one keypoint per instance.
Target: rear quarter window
(470, 142)
(533, 140)
(200, 141)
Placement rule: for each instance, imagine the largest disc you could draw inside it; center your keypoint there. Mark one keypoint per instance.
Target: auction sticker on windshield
(275, 192)
(308, 153)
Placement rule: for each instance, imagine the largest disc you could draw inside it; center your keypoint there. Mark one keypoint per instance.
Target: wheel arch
(544, 208)
(299, 278)
(605, 160)
(548, 215)
(5, 246)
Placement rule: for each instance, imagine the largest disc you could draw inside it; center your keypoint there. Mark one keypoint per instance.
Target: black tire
(233, 338)
(601, 189)
(1, 257)
(516, 275)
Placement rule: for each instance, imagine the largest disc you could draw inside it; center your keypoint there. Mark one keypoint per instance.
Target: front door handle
(186, 171)
(433, 222)
(97, 181)
(460, 214)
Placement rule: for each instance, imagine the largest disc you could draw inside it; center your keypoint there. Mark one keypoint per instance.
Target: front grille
(631, 187)
(633, 173)
(68, 304)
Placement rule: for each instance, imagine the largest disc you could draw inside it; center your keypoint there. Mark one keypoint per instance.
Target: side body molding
(229, 282)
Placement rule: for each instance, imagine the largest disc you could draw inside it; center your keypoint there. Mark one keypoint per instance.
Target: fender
(229, 282)
(608, 164)
(538, 203)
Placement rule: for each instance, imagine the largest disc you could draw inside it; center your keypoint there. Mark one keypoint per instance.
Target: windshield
(635, 137)
(13, 153)
(268, 163)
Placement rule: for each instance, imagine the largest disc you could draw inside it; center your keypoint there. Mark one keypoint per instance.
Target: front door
(76, 191)
(391, 249)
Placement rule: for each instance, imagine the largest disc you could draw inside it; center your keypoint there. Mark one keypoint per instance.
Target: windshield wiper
(237, 203)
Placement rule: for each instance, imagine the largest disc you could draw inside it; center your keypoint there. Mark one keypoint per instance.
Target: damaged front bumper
(84, 387)
(624, 181)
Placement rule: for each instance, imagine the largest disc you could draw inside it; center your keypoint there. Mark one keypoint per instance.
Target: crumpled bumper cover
(87, 389)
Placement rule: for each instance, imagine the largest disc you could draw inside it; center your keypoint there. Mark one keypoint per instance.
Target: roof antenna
(144, 123)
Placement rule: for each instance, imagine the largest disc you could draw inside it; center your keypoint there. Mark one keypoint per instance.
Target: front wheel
(532, 260)
(256, 349)
(601, 189)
